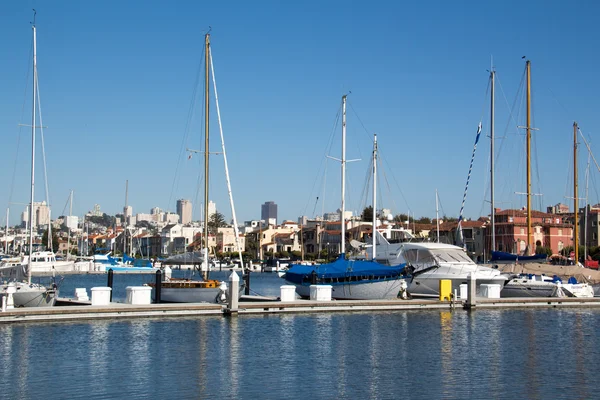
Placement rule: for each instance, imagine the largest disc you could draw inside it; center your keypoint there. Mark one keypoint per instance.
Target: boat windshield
(435, 256)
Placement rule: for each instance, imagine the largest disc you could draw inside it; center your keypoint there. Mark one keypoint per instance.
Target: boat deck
(121, 310)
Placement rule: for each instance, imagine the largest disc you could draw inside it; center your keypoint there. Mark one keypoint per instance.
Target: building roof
(523, 213)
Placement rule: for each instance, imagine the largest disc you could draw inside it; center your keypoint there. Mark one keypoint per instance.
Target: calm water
(535, 354)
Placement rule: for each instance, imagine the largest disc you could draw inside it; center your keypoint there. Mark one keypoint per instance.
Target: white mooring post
(234, 290)
(471, 291)
(10, 302)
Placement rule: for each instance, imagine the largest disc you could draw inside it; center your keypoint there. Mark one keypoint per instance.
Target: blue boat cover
(343, 269)
(504, 256)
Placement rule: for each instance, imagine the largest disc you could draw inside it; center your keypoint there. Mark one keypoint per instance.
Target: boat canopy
(342, 268)
(424, 256)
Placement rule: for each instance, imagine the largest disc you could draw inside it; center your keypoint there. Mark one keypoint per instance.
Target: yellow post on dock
(445, 289)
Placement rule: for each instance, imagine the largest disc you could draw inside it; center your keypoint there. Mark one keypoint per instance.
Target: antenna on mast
(34, 13)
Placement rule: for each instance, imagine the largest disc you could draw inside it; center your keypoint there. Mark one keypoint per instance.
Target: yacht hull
(383, 290)
(428, 284)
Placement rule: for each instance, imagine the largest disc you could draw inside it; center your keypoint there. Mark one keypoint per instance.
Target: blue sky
(117, 80)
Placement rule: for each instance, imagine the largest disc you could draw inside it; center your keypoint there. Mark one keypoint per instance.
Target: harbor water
(523, 353)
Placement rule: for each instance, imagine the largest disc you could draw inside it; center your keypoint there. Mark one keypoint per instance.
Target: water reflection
(447, 368)
(483, 354)
(139, 355)
(235, 356)
(532, 357)
(98, 354)
(6, 356)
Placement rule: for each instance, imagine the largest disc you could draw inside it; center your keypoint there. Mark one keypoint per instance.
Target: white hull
(427, 284)
(190, 295)
(33, 295)
(56, 266)
(194, 294)
(523, 287)
(578, 289)
(516, 288)
(382, 290)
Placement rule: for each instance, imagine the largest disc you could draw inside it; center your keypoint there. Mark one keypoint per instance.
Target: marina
(336, 273)
(268, 297)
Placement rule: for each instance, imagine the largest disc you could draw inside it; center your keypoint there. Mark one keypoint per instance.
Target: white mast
(374, 194)
(6, 234)
(32, 155)
(342, 217)
(67, 223)
(125, 219)
(235, 225)
(437, 215)
(493, 210)
(205, 265)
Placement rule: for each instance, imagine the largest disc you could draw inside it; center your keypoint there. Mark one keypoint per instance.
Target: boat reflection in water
(338, 355)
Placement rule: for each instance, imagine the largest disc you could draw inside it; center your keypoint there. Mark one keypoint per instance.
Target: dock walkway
(121, 310)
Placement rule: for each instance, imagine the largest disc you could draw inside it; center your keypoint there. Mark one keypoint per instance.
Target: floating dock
(129, 311)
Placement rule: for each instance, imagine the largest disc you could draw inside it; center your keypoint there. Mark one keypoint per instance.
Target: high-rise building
(268, 211)
(212, 208)
(155, 211)
(184, 209)
(41, 215)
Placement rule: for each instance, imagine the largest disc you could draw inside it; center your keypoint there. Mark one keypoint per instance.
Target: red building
(547, 230)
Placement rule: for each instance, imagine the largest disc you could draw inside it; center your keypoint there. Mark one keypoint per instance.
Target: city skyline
(420, 86)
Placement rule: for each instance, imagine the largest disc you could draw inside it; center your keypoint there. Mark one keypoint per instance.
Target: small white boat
(531, 285)
(45, 261)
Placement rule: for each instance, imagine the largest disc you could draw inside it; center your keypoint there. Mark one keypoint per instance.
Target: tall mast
(437, 216)
(229, 191)
(206, 143)
(493, 207)
(68, 227)
(585, 229)
(528, 68)
(125, 219)
(32, 154)
(575, 187)
(342, 217)
(6, 233)
(374, 195)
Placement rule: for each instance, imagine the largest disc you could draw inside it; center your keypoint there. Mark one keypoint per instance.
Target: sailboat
(500, 257)
(205, 289)
(350, 279)
(24, 292)
(529, 285)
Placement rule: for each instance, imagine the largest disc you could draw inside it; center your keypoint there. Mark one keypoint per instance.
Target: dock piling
(110, 281)
(157, 286)
(247, 282)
